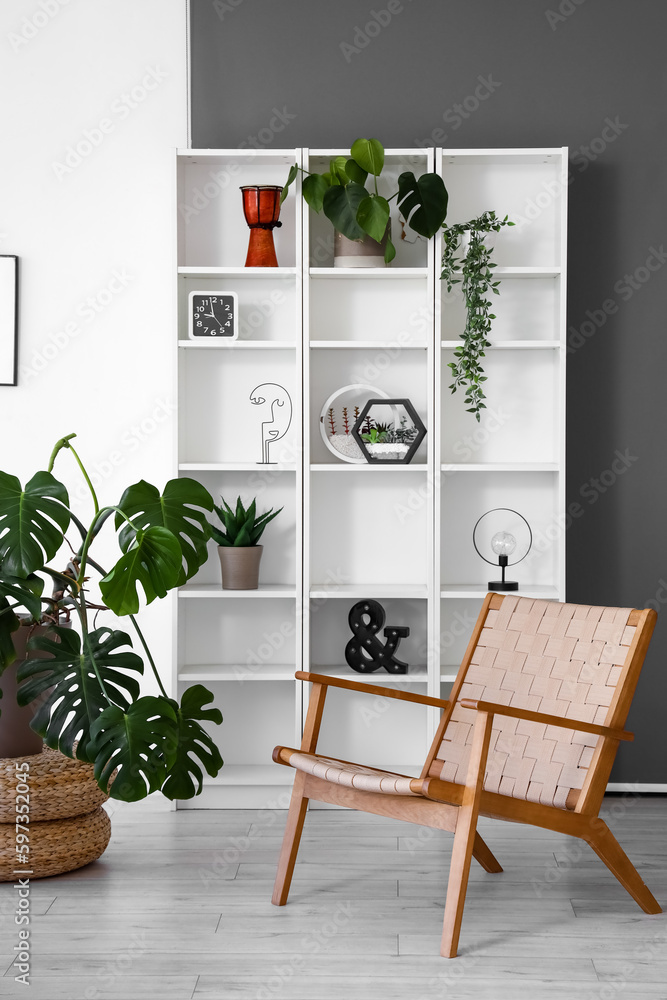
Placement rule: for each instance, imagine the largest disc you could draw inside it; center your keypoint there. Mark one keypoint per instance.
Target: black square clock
(213, 314)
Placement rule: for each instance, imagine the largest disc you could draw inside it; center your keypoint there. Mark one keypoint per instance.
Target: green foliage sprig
(242, 528)
(476, 269)
(389, 434)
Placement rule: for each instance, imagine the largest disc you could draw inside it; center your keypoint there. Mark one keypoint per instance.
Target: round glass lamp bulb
(503, 544)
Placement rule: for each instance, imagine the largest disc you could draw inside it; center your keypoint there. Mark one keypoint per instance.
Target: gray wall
(559, 69)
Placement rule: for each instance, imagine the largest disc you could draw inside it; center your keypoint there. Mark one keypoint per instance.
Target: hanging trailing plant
(474, 272)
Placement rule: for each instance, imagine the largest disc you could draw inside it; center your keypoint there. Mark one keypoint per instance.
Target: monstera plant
(91, 706)
(341, 193)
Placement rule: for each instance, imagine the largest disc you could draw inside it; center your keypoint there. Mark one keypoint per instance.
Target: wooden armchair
(529, 735)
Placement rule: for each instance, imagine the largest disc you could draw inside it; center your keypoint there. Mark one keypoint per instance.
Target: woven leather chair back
(563, 659)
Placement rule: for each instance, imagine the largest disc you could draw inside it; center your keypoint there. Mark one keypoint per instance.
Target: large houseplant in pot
(238, 543)
(349, 196)
(92, 707)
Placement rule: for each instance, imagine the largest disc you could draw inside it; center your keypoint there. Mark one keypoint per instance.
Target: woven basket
(59, 787)
(56, 846)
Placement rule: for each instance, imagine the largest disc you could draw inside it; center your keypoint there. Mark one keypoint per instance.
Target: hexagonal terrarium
(389, 430)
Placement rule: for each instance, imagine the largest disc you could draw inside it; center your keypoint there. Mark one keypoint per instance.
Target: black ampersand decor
(365, 652)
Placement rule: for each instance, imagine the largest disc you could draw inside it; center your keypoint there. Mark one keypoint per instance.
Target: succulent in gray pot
(238, 543)
(89, 699)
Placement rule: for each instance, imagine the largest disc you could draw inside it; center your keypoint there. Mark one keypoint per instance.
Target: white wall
(94, 234)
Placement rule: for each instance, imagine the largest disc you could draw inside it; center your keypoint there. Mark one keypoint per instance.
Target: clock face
(213, 314)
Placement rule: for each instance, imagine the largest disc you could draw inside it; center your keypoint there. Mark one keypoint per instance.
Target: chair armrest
(386, 692)
(492, 708)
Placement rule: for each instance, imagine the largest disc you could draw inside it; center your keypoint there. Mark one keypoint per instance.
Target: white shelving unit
(373, 326)
(398, 534)
(244, 645)
(517, 452)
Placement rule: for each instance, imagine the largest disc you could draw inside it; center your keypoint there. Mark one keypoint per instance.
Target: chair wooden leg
(607, 848)
(464, 837)
(295, 819)
(482, 854)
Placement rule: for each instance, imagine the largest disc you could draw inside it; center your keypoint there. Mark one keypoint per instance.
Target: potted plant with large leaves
(360, 216)
(91, 703)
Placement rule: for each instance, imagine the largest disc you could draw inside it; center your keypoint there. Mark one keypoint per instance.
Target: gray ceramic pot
(240, 566)
(359, 253)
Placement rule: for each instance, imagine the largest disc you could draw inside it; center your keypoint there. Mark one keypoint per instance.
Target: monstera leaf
(341, 205)
(194, 744)
(26, 596)
(355, 172)
(32, 522)
(138, 743)
(73, 672)
(154, 560)
(314, 188)
(423, 202)
(8, 624)
(369, 154)
(26, 592)
(179, 509)
(373, 216)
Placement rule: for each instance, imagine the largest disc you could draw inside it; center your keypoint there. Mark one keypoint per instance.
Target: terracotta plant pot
(359, 253)
(240, 566)
(17, 739)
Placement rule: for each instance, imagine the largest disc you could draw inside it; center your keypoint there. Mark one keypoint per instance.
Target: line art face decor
(9, 304)
(278, 415)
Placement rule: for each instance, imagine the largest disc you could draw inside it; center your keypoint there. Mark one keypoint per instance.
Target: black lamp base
(503, 585)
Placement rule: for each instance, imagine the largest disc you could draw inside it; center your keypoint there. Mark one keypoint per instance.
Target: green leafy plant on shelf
(241, 527)
(389, 433)
(355, 211)
(476, 279)
(91, 704)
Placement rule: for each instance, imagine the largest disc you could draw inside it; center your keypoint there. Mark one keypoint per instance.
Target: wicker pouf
(68, 827)
(57, 845)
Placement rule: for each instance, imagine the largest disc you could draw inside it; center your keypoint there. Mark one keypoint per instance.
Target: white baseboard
(637, 786)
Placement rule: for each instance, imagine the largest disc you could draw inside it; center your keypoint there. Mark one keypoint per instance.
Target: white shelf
(368, 272)
(368, 467)
(416, 674)
(372, 591)
(238, 345)
(236, 467)
(511, 345)
(524, 272)
(215, 591)
(365, 345)
(392, 157)
(236, 272)
(500, 467)
(236, 672)
(212, 157)
(465, 590)
(502, 157)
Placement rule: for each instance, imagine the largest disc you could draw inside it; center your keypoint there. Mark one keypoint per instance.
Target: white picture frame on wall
(9, 282)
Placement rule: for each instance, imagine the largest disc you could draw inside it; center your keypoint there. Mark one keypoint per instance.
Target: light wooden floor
(178, 908)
